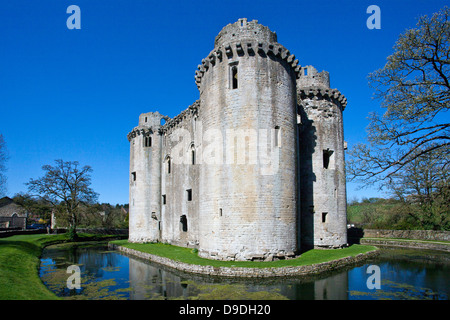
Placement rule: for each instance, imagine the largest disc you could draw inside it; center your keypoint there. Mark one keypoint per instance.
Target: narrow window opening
(189, 194)
(193, 156)
(168, 165)
(234, 77)
(306, 71)
(145, 119)
(220, 212)
(147, 141)
(324, 217)
(277, 136)
(183, 222)
(327, 158)
(133, 176)
(164, 199)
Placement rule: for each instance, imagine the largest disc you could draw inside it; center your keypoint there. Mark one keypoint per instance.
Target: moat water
(403, 274)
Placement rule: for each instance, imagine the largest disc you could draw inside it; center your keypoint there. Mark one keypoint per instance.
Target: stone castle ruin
(252, 170)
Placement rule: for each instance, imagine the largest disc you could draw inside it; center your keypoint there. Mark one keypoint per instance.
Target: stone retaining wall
(103, 231)
(407, 244)
(249, 272)
(4, 234)
(408, 234)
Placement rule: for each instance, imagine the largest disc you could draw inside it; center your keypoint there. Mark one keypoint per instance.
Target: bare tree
(66, 187)
(414, 88)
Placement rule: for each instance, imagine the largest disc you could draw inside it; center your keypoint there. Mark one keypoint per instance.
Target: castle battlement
(310, 77)
(239, 49)
(245, 39)
(316, 85)
(139, 131)
(187, 113)
(332, 95)
(243, 30)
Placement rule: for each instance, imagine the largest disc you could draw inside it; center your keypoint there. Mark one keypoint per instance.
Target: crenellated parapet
(316, 85)
(245, 39)
(137, 131)
(239, 49)
(149, 123)
(333, 95)
(189, 112)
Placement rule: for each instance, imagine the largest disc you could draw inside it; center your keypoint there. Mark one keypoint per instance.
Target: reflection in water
(107, 274)
(406, 274)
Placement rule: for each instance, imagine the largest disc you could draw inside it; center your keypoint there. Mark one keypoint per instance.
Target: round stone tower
(322, 169)
(248, 178)
(145, 179)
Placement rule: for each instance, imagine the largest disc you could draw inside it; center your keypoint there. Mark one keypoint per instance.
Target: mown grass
(190, 256)
(19, 265)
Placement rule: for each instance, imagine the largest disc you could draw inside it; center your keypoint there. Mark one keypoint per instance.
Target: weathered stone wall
(322, 161)
(12, 215)
(250, 272)
(310, 78)
(180, 182)
(248, 207)
(6, 233)
(411, 244)
(408, 234)
(145, 178)
(108, 231)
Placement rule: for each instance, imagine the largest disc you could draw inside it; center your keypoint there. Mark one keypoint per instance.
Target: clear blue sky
(75, 94)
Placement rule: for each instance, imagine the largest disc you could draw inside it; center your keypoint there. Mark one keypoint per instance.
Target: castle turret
(248, 180)
(322, 169)
(145, 179)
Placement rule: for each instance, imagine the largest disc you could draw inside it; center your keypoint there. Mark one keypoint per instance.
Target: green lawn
(190, 256)
(19, 263)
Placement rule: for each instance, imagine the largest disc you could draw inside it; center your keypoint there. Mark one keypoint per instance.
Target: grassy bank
(19, 265)
(190, 256)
